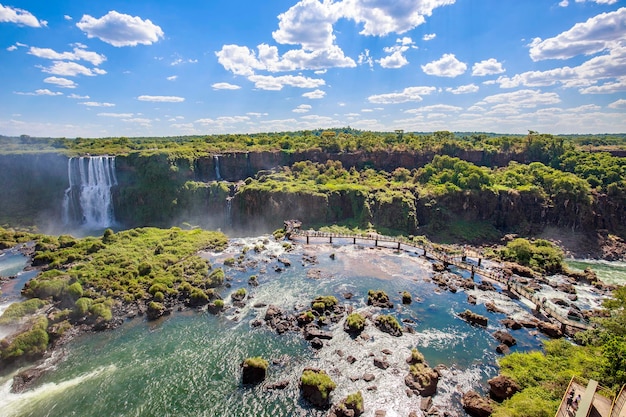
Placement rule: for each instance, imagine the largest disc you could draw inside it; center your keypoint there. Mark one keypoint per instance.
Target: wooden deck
(595, 401)
(468, 260)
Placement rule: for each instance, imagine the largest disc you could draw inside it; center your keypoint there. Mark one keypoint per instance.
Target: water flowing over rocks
(474, 318)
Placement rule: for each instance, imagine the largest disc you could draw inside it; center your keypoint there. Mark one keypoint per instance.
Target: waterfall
(229, 211)
(88, 200)
(216, 162)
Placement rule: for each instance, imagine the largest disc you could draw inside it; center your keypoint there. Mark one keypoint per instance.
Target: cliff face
(161, 190)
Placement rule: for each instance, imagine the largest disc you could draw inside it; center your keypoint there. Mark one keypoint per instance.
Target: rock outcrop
(502, 387)
(475, 405)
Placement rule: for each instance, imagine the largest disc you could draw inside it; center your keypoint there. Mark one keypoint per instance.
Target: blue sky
(148, 68)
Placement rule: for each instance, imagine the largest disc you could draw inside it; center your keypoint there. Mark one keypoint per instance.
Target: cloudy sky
(143, 68)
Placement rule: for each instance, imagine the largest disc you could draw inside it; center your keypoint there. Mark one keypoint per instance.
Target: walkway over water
(468, 260)
(594, 400)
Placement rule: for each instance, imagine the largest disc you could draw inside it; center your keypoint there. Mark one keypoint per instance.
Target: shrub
(75, 290)
(218, 303)
(354, 401)
(101, 310)
(197, 296)
(325, 302)
(16, 311)
(216, 277)
(30, 343)
(82, 306)
(406, 297)
(355, 322)
(256, 362)
(229, 261)
(318, 379)
(159, 296)
(158, 287)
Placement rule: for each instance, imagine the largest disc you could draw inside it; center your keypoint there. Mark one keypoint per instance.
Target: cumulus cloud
(381, 17)
(268, 82)
(20, 17)
(446, 66)
(316, 94)
(435, 108)
(96, 104)
(116, 115)
(463, 89)
(78, 54)
(397, 58)
(120, 29)
(599, 33)
(302, 108)
(172, 78)
(366, 58)
(489, 66)
(619, 104)
(225, 86)
(40, 92)
(161, 99)
(429, 36)
(78, 97)
(617, 86)
(406, 95)
(308, 23)
(241, 60)
(61, 82)
(72, 69)
(521, 99)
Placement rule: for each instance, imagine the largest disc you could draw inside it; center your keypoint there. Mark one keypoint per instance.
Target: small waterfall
(229, 211)
(88, 200)
(216, 162)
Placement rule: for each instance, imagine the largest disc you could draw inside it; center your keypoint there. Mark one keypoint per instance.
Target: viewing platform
(595, 400)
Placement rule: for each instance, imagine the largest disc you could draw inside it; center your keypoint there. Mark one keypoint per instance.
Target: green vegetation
(355, 322)
(540, 255)
(257, 362)
(17, 311)
(406, 297)
(324, 303)
(388, 322)
(544, 376)
(376, 297)
(318, 379)
(28, 344)
(354, 401)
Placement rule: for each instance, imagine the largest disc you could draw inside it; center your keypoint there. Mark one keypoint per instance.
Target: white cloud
(12, 48)
(521, 99)
(302, 108)
(61, 82)
(96, 104)
(489, 66)
(446, 66)
(179, 61)
(254, 114)
(316, 94)
(172, 78)
(435, 108)
(78, 97)
(597, 34)
(397, 58)
(308, 23)
(365, 58)
(161, 99)
(429, 36)
(241, 60)
(67, 17)
(78, 54)
(120, 29)
(564, 3)
(408, 94)
(20, 17)
(225, 86)
(41, 92)
(268, 82)
(606, 88)
(72, 69)
(463, 89)
(608, 2)
(381, 17)
(619, 104)
(116, 115)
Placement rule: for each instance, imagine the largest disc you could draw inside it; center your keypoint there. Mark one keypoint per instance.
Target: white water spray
(88, 198)
(216, 161)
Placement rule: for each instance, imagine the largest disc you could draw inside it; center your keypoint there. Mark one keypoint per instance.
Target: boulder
(378, 299)
(253, 370)
(280, 385)
(316, 386)
(473, 318)
(492, 308)
(312, 331)
(511, 324)
(503, 349)
(550, 329)
(505, 338)
(422, 379)
(316, 343)
(351, 406)
(381, 363)
(475, 405)
(502, 388)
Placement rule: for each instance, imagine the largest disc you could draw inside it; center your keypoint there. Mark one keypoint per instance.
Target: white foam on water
(17, 404)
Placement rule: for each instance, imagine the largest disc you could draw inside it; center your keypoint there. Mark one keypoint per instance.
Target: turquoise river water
(188, 364)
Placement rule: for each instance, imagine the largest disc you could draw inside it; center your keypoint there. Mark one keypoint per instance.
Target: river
(188, 364)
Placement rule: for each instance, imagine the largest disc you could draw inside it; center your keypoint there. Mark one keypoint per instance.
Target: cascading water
(216, 161)
(88, 200)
